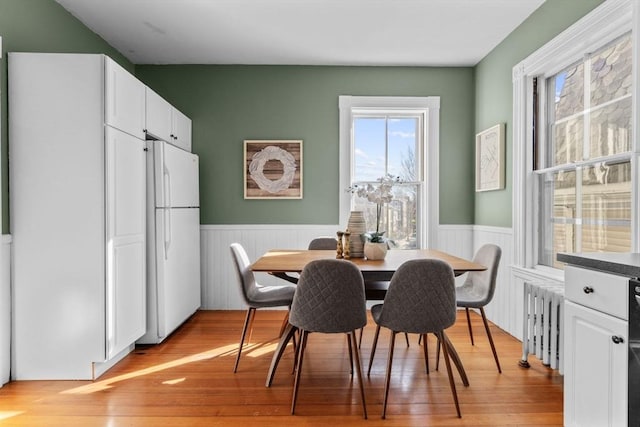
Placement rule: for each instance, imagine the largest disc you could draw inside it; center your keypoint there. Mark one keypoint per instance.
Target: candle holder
(339, 246)
(346, 253)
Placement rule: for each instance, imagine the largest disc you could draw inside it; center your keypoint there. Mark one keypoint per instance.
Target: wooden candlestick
(339, 246)
(346, 253)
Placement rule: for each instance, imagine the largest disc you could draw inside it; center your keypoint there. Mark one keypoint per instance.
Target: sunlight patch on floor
(106, 384)
(8, 414)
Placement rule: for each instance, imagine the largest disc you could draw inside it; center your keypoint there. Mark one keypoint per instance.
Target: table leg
(287, 335)
(456, 360)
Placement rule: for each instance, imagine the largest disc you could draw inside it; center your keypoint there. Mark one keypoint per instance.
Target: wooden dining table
(279, 262)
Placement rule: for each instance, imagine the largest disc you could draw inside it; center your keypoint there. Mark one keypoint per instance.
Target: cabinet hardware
(588, 290)
(617, 340)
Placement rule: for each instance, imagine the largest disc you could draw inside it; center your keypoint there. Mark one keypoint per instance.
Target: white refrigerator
(173, 239)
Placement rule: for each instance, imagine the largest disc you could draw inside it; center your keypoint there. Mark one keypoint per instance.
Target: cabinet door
(126, 258)
(181, 130)
(158, 116)
(125, 100)
(595, 377)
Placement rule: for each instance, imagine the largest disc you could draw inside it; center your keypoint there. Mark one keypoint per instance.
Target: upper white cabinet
(125, 100)
(78, 216)
(165, 122)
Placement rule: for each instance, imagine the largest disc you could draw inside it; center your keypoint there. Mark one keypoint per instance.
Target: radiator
(543, 322)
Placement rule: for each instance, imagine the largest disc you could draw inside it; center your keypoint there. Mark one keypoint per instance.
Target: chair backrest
(323, 243)
(246, 279)
(421, 298)
(484, 282)
(329, 298)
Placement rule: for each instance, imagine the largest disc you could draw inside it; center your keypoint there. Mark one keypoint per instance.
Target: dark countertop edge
(626, 264)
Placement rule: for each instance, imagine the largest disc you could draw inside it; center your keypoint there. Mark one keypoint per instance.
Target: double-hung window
(574, 142)
(397, 137)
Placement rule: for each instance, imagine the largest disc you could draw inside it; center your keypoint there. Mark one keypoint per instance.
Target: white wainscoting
(5, 309)
(219, 283)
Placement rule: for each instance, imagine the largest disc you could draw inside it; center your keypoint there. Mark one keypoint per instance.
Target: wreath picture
(273, 169)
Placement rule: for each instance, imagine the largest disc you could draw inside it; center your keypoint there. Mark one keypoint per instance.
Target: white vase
(357, 227)
(375, 251)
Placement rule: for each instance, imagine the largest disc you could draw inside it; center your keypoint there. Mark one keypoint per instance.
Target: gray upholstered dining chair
(329, 299)
(323, 243)
(479, 288)
(254, 295)
(421, 299)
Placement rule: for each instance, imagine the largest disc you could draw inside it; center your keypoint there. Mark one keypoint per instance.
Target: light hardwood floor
(188, 381)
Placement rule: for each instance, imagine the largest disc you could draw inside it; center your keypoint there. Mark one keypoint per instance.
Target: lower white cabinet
(596, 348)
(595, 376)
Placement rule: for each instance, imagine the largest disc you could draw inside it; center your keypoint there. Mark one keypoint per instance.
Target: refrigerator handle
(167, 187)
(167, 232)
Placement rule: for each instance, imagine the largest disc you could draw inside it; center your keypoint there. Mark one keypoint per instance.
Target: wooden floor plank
(188, 381)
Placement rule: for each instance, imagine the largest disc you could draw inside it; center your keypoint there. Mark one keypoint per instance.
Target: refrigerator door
(176, 177)
(177, 266)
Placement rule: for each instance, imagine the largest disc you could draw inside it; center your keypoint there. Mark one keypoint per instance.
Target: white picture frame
(490, 157)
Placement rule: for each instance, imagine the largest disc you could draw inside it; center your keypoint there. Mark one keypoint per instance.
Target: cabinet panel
(181, 130)
(125, 100)
(126, 210)
(158, 116)
(601, 291)
(595, 392)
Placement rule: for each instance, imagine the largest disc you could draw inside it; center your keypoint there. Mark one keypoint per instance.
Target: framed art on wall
(273, 169)
(490, 168)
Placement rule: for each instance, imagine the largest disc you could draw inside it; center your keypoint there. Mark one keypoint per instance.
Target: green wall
(229, 104)
(494, 94)
(39, 26)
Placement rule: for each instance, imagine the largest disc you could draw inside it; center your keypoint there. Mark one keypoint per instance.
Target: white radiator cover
(543, 306)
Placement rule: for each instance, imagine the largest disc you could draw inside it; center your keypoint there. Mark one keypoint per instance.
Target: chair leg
(356, 356)
(247, 320)
(285, 322)
(301, 347)
(350, 354)
(449, 373)
(426, 353)
(373, 349)
(493, 347)
(469, 324)
(406, 337)
(387, 380)
(360, 339)
(438, 354)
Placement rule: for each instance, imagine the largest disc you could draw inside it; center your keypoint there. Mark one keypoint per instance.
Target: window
(396, 136)
(574, 154)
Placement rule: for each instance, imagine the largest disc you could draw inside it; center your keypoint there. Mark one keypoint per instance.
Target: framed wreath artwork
(273, 169)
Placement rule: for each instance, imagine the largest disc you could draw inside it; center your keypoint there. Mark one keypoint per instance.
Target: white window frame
(604, 24)
(430, 107)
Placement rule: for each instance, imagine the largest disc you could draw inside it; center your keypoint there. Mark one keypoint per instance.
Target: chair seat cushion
(468, 296)
(272, 296)
(375, 312)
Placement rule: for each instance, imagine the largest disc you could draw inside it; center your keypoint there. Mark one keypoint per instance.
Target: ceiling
(303, 32)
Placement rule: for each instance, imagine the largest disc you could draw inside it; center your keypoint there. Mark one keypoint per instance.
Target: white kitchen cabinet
(167, 123)
(125, 100)
(596, 348)
(77, 189)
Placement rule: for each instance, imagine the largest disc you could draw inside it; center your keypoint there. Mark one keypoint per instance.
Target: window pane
(403, 140)
(606, 208)
(558, 213)
(611, 72)
(398, 219)
(568, 89)
(611, 129)
(567, 141)
(369, 135)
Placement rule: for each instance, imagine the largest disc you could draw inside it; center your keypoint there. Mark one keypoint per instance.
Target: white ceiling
(303, 32)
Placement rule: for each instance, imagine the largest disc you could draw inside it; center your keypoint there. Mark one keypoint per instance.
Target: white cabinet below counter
(167, 123)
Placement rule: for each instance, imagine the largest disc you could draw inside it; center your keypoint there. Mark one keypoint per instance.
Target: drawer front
(605, 292)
